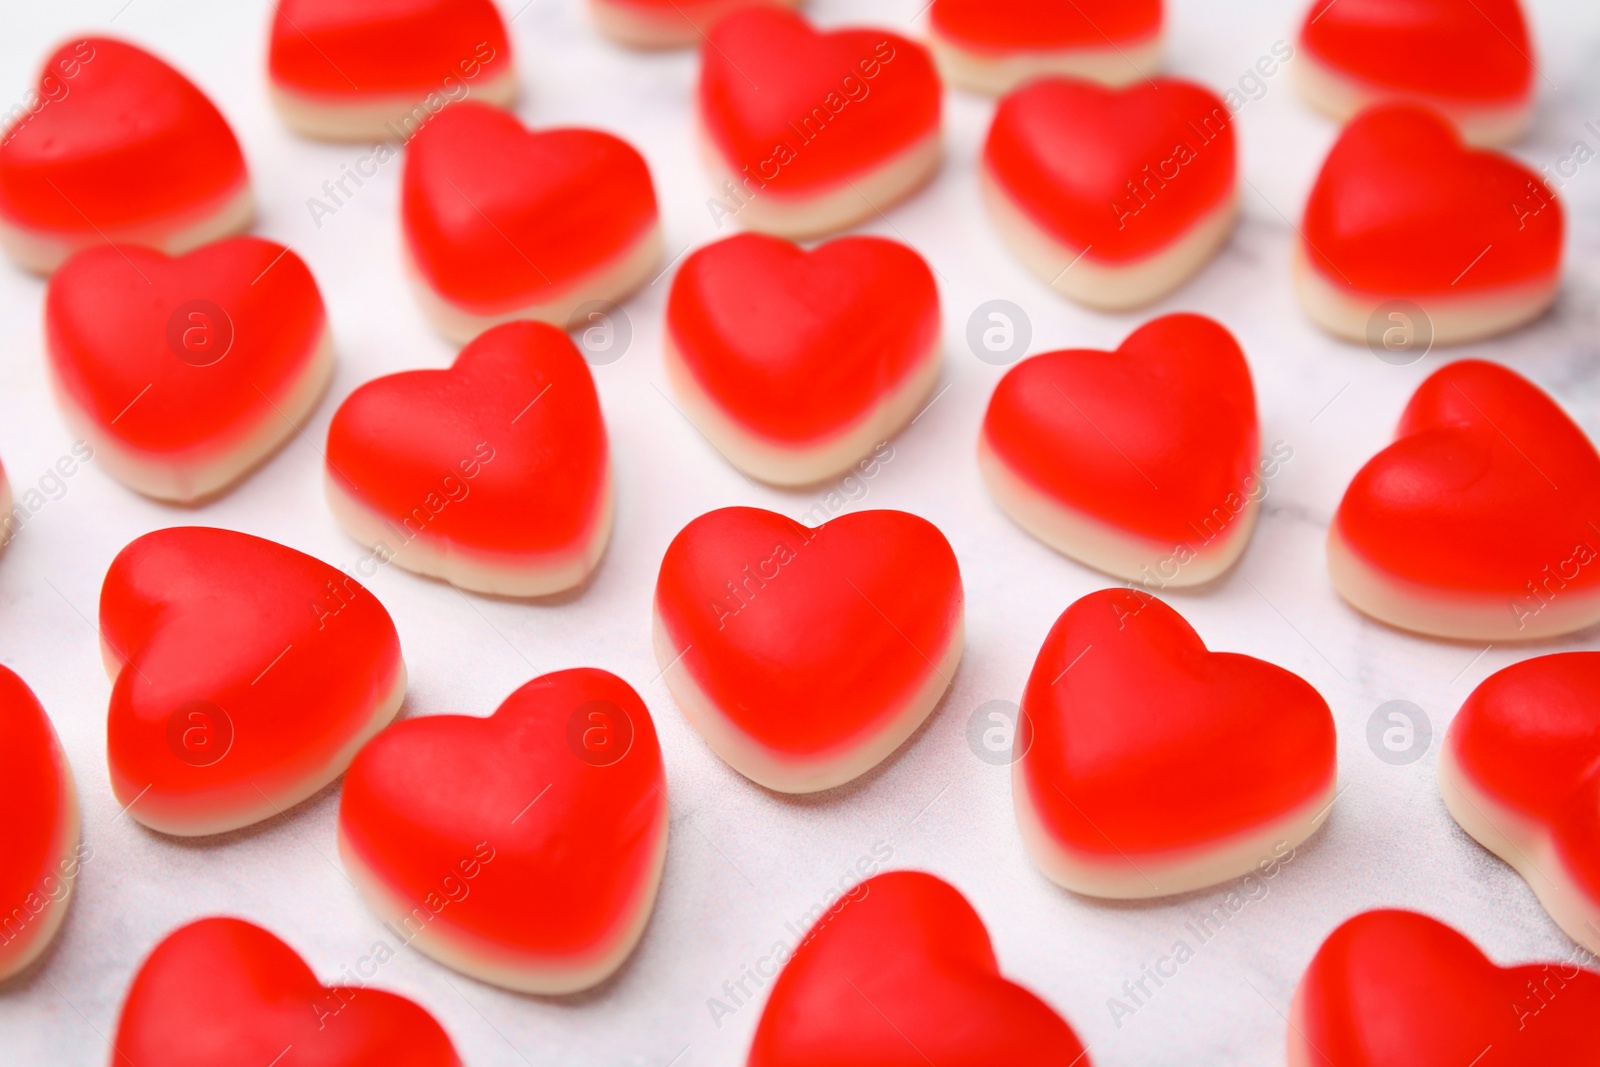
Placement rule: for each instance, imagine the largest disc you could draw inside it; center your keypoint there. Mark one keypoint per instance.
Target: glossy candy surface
(829, 106)
(222, 990)
(498, 217)
(900, 972)
(1487, 484)
(439, 814)
(245, 675)
(501, 460)
(1122, 173)
(1522, 774)
(1403, 208)
(795, 345)
(1398, 989)
(126, 145)
(1146, 750)
(191, 369)
(810, 645)
(1158, 438)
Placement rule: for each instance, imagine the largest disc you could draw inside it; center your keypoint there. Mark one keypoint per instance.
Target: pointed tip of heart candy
(495, 962)
(392, 118)
(784, 772)
(825, 457)
(566, 306)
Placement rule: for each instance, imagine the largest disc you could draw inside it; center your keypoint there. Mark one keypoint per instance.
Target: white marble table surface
(743, 863)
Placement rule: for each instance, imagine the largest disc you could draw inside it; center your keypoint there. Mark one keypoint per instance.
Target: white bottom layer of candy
(837, 207)
(787, 464)
(467, 567)
(610, 282)
(543, 975)
(8, 523)
(42, 251)
(783, 772)
(1455, 615)
(185, 816)
(1095, 543)
(997, 73)
(1341, 97)
(1141, 876)
(1102, 285)
(1523, 844)
(203, 472)
(392, 117)
(630, 25)
(1450, 319)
